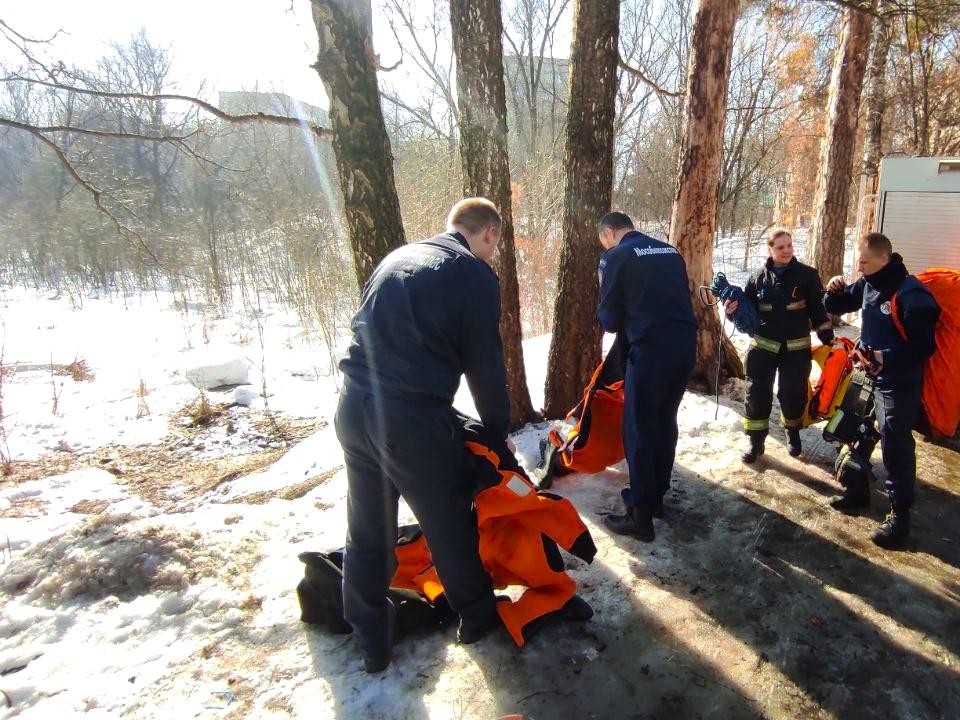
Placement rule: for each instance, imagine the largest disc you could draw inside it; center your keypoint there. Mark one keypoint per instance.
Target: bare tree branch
(317, 130)
(96, 193)
(864, 6)
(636, 72)
(26, 39)
(173, 139)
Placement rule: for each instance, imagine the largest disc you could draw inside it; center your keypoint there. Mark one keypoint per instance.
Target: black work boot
(855, 496)
(794, 445)
(376, 662)
(469, 634)
(754, 451)
(576, 609)
(637, 521)
(656, 509)
(893, 531)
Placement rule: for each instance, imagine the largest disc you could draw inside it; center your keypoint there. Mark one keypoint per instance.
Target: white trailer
(918, 208)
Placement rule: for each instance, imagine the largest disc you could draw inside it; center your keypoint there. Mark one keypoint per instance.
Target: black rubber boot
(894, 530)
(376, 663)
(855, 496)
(469, 634)
(576, 609)
(754, 451)
(794, 446)
(637, 521)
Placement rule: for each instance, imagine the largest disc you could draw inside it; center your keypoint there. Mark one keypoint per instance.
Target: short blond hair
(878, 243)
(473, 214)
(778, 233)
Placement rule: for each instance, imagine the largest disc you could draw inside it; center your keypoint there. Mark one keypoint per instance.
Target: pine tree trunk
(347, 67)
(588, 158)
(693, 223)
(477, 30)
(832, 198)
(876, 103)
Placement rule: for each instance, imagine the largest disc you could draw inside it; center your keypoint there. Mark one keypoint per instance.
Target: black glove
(825, 336)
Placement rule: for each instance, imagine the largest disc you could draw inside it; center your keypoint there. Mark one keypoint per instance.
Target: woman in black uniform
(788, 296)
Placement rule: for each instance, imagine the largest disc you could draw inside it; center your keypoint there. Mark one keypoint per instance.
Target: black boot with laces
(894, 530)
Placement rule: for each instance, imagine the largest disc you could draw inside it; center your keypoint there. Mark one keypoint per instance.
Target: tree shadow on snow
(793, 594)
(623, 663)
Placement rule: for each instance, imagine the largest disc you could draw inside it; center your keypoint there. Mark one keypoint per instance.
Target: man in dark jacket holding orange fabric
(429, 314)
(645, 300)
(896, 362)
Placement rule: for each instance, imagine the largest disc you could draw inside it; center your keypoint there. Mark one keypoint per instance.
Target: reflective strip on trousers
(749, 424)
(787, 422)
(765, 344)
(768, 307)
(798, 343)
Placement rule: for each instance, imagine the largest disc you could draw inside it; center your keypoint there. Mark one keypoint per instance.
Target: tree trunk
(347, 67)
(477, 29)
(876, 99)
(693, 222)
(588, 158)
(876, 103)
(832, 197)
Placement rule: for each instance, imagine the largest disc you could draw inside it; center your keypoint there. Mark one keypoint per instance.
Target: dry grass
(90, 507)
(169, 474)
(143, 410)
(201, 412)
(25, 508)
(291, 492)
(79, 370)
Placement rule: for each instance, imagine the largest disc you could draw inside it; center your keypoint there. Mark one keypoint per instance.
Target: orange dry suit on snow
(519, 532)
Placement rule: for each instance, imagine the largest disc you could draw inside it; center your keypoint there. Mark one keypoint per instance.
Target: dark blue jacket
(644, 291)
(429, 314)
(916, 309)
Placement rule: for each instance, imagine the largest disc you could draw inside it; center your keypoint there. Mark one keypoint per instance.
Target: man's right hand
(730, 306)
(836, 284)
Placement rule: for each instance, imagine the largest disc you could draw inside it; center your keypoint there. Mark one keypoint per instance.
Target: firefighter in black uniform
(645, 300)
(789, 298)
(896, 359)
(429, 314)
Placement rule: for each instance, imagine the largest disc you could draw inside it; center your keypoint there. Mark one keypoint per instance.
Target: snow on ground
(142, 338)
(119, 600)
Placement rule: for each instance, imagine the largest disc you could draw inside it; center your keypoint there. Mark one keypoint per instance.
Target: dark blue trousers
(409, 447)
(898, 407)
(656, 376)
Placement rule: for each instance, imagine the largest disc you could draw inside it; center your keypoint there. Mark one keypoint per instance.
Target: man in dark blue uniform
(645, 300)
(897, 365)
(429, 314)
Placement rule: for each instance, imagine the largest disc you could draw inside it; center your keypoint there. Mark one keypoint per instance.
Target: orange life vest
(836, 369)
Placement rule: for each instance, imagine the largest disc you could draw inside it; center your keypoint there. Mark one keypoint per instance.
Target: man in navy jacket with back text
(645, 300)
